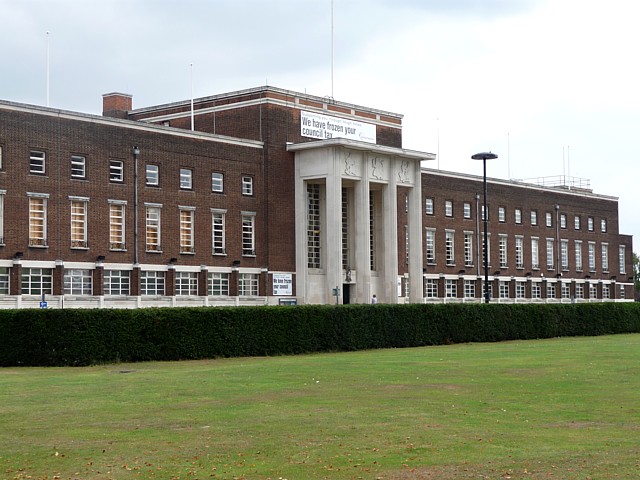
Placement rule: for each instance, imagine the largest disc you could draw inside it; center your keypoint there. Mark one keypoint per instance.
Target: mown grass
(562, 408)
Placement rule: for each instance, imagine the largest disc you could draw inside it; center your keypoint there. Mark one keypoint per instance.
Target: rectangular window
(468, 249)
(621, 259)
(37, 162)
(153, 175)
(78, 166)
(579, 290)
(428, 206)
(520, 289)
(313, 226)
(431, 288)
(449, 237)
(565, 290)
(116, 282)
(217, 182)
(248, 234)
(186, 283)
(578, 246)
(448, 208)
(603, 225)
(469, 289)
(430, 237)
(4, 281)
(535, 255)
(152, 283)
(534, 217)
(116, 171)
(248, 285)
(563, 220)
(186, 230)
(593, 291)
(217, 232)
(605, 291)
(548, 219)
(36, 281)
(502, 250)
(590, 224)
(592, 256)
(550, 262)
(79, 223)
(451, 288)
(536, 290)
(218, 284)
(186, 179)
(503, 289)
(502, 214)
(564, 254)
(37, 221)
(551, 290)
(344, 229)
(576, 222)
(466, 209)
(518, 216)
(247, 185)
(604, 250)
(372, 235)
(116, 226)
(519, 252)
(153, 229)
(77, 282)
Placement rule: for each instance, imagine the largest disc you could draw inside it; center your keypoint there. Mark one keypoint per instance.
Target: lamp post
(136, 152)
(484, 156)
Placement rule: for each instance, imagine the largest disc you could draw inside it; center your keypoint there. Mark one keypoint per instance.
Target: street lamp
(484, 156)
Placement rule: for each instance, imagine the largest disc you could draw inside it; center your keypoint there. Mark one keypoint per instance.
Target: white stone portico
(346, 203)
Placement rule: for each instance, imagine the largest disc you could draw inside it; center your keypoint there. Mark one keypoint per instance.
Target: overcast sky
(551, 86)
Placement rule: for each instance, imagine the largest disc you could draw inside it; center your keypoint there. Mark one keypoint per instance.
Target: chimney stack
(116, 105)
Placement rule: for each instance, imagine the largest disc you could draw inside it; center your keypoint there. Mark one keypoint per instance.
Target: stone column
(415, 235)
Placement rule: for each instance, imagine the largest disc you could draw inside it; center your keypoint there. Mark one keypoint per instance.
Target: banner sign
(282, 284)
(323, 127)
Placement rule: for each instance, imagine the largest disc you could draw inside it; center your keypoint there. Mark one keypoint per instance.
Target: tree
(636, 273)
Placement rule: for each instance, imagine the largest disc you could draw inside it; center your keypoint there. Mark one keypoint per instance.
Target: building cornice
(362, 146)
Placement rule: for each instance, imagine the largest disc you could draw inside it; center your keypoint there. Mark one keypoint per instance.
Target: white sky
(551, 86)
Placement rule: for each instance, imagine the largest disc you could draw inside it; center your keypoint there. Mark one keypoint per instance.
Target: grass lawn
(561, 409)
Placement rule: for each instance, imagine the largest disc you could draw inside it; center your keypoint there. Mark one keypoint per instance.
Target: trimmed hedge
(84, 337)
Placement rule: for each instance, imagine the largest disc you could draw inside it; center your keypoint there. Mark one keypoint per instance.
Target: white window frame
(38, 219)
(468, 249)
(466, 209)
(247, 185)
(248, 285)
(37, 162)
(186, 179)
(117, 212)
(36, 281)
(603, 225)
(563, 220)
(79, 220)
(534, 217)
(431, 288)
(217, 182)
(519, 251)
(548, 219)
(248, 234)
(218, 241)
(469, 289)
(535, 253)
(5, 281)
(502, 214)
(564, 254)
(449, 245)
(428, 206)
(152, 283)
(153, 216)
(550, 253)
(218, 284)
(117, 282)
(187, 230)
(186, 284)
(152, 175)
(578, 251)
(77, 281)
(604, 256)
(2, 196)
(520, 289)
(430, 242)
(621, 259)
(576, 222)
(451, 288)
(590, 224)
(518, 215)
(592, 256)
(502, 251)
(448, 208)
(78, 166)
(116, 170)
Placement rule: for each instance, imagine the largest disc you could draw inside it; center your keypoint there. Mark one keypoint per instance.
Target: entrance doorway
(346, 293)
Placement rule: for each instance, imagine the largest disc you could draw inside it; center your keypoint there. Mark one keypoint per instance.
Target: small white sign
(324, 127)
(283, 284)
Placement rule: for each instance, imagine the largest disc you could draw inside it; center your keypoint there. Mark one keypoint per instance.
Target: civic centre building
(267, 196)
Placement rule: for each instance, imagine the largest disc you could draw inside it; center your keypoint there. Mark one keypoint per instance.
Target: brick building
(266, 196)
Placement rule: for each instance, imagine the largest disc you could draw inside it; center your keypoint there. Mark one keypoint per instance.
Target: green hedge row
(83, 337)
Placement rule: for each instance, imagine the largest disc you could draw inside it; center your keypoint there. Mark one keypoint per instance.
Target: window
(518, 215)
(36, 281)
(38, 221)
(563, 220)
(218, 284)
(579, 290)
(603, 225)
(535, 257)
(79, 207)
(217, 182)
(431, 288)
(550, 253)
(372, 235)
(428, 206)
(186, 180)
(248, 234)
(536, 290)
(578, 246)
(520, 289)
(186, 230)
(519, 252)
(248, 285)
(590, 224)
(78, 166)
(449, 247)
(592, 256)
(604, 250)
(564, 254)
(502, 250)
(502, 214)
(451, 288)
(468, 249)
(551, 289)
(466, 206)
(186, 283)
(406, 248)
(469, 289)
(576, 222)
(116, 170)
(77, 282)
(4, 281)
(153, 229)
(116, 282)
(622, 292)
(313, 226)
(2, 194)
(37, 162)
(448, 208)
(153, 175)
(503, 289)
(565, 290)
(605, 291)
(548, 219)
(430, 236)
(247, 185)
(534, 217)
(152, 283)
(217, 232)
(593, 290)
(621, 259)
(116, 225)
